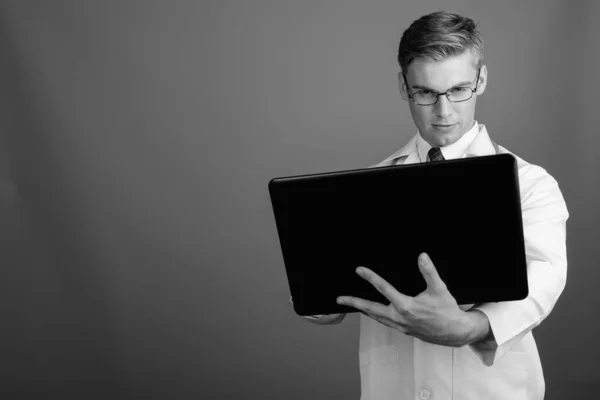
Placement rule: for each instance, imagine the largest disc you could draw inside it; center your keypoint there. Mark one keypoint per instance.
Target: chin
(441, 139)
(438, 140)
(447, 140)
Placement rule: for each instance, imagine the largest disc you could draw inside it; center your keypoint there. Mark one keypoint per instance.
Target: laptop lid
(464, 213)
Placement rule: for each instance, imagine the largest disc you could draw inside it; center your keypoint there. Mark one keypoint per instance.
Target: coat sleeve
(544, 227)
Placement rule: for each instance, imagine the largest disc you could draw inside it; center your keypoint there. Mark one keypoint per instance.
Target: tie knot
(435, 154)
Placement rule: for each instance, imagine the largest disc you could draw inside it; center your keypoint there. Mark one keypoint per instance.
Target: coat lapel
(402, 156)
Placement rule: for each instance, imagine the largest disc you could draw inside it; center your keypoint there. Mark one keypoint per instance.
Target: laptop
(464, 213)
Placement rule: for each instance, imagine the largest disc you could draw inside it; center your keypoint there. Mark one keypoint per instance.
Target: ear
(402, 86)
(482, 80)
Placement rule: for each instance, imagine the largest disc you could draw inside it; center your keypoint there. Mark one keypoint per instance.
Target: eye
(459, 90)
(426, 92)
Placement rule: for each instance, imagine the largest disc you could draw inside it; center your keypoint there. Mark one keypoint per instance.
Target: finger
(313, 317)
(366, 306)
(329, 319)
(383, 287)
(432, 278)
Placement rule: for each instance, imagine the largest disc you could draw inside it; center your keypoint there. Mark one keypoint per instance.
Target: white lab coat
(400, 367)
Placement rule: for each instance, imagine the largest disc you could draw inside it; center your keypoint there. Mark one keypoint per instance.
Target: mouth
(443, 126)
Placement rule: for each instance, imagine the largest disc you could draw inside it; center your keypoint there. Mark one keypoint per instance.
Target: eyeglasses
(430, 97)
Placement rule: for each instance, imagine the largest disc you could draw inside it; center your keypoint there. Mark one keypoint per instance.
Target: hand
(329, 319)
(432, 316)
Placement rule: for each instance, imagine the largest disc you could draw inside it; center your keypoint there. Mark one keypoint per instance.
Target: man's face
(445, 122)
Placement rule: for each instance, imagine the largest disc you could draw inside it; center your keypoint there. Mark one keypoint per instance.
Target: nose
(443, 108)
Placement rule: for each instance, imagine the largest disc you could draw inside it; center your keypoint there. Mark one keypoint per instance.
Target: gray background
(138, 246)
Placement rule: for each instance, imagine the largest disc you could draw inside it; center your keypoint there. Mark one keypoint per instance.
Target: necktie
(435, 154)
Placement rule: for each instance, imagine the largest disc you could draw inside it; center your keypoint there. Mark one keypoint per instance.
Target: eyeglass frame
(437, 97)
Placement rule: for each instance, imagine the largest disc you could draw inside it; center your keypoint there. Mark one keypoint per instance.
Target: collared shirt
(400, 367)
(454, 150)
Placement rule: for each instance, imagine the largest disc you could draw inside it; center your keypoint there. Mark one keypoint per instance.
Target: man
(427, 347)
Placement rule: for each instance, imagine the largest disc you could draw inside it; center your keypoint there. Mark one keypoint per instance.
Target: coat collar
(482, 144)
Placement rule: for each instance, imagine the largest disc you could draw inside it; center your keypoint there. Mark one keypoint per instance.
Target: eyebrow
(465, 83)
